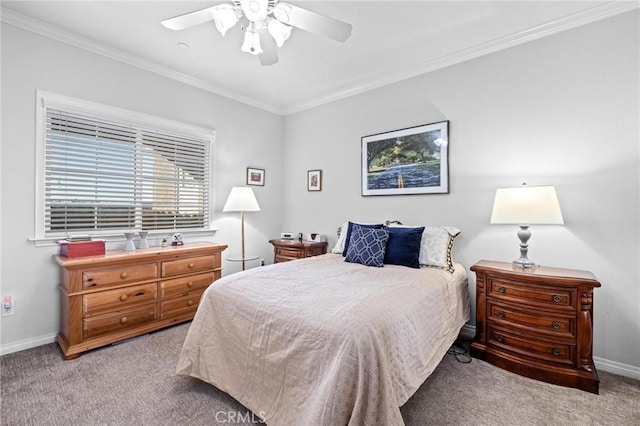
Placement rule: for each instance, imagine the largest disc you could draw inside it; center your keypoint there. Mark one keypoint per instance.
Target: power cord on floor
(460, 349)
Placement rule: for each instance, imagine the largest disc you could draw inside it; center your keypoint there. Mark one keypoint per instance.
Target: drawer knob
(556, 299)
(124, 297)
(190, 303)
(500, 339)
(123, 275)
(500, 289)
(191, 265)
(556, 325)
(190, 284)
(500, 314)
(555, 352)
(123, 320)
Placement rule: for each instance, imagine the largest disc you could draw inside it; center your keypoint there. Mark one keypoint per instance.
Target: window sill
(118, 237)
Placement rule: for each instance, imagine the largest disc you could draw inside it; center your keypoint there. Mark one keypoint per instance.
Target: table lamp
(241, 199)
(524, 206)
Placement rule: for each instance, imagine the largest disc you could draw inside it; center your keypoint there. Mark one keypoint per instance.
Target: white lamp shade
(251, 43)
(527, 205)
(224, 16)
(241, 199)
(279, 31)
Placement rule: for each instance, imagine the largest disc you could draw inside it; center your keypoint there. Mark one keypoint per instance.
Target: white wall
(31, 62)
(559, 111)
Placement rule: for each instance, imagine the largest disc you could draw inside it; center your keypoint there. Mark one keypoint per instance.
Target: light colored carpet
(133, 383)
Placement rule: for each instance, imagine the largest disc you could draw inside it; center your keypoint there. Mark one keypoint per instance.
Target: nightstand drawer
(523, 319)
(289, 253)
(118, 299)
(557, 352)
(552, 298)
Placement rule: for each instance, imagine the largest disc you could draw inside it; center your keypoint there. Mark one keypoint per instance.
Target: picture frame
(414, 160)
(255, 176)
(314, 180)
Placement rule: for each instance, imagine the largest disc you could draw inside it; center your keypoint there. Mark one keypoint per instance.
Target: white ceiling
(390, 41)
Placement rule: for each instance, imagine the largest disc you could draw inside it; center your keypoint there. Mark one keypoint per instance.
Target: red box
(81, 248)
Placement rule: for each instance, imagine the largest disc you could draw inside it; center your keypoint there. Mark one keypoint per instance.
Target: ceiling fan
(267, 24)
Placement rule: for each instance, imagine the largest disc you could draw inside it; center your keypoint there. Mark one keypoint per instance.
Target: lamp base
(524, 263)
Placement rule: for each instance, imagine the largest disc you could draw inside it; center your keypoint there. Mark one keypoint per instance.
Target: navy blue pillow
(348, 235)
(367, 246)
(403, 246)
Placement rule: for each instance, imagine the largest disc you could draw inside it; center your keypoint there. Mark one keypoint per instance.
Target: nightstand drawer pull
(557, 299)
(500, 339)
(123, 275)
(500, 289)
(500, 314)
(555, 352)
(556, 325)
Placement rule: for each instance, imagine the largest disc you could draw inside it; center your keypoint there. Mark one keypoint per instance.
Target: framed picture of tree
(407, 161)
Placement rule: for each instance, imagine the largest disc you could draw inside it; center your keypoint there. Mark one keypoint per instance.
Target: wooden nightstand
(285, 250)
(536, 322)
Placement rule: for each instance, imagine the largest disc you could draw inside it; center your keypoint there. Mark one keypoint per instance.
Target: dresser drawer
(182, 286)
(118, 321)
(547, 323)
(119, 275)
(188, 266)
(539, 296)
(117, 299)
(532, 346)
(179, 306)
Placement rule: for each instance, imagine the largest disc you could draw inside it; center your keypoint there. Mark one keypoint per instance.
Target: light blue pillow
(367, 246)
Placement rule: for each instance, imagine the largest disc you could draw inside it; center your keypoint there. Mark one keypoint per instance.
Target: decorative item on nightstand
(241, 199)
(524, 206)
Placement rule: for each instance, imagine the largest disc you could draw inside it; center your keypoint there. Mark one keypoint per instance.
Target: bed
(321, 341)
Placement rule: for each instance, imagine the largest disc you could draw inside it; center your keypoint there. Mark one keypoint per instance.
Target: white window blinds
(101, 175)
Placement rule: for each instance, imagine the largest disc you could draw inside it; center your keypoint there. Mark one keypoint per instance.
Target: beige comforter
(320, 341)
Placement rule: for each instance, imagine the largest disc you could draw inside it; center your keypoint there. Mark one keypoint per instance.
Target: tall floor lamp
(524, 206)
(241, 199)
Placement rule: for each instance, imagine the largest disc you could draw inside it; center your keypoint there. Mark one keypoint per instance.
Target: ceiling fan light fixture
(279, 31)
(281, 12)
(225, 17)
(255, 10)
(251, 42)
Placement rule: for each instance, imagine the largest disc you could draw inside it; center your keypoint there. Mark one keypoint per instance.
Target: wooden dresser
(285, 250)
(536, 322)
(121, 294)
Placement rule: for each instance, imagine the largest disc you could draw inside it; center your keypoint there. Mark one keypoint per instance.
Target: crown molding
(584, 17)
(38, 27)
(370, 82)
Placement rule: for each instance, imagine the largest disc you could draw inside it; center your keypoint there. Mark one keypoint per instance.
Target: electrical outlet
(8, 306)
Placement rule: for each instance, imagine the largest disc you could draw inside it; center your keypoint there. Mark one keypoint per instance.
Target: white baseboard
(27, 344)
(617, 368)
(468, 332)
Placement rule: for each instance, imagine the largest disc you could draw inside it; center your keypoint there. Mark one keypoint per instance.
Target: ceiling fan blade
(269, 55)
(312, 22)
(187, 20)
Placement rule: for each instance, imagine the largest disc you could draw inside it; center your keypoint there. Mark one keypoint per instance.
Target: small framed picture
(314, 180)
(255, 176)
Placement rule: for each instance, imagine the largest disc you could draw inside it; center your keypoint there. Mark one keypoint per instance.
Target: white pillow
(436, 246)
(339, 247)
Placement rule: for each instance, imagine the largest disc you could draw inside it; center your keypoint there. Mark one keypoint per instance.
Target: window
(108, 171)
